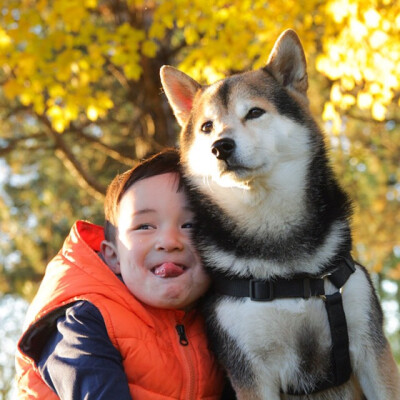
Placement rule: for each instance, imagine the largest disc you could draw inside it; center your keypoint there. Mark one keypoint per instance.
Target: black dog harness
(305, 287)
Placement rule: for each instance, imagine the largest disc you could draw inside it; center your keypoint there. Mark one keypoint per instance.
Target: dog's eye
(207, 127)
(254, 113)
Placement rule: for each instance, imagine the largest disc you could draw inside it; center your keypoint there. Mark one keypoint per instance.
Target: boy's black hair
(161, 163)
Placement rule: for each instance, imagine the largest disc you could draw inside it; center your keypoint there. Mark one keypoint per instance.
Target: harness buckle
(261, 290)
(324, 298)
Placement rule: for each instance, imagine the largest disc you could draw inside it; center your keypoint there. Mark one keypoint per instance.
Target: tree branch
(14, 141)
(71, 163)
(96, 143)
(7, 149)
(118, 75)
(371, 120)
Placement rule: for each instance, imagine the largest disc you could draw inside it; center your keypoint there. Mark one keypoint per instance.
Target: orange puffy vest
(157, 365)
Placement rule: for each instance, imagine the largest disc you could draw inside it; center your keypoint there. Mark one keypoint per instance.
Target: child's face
(154, 253)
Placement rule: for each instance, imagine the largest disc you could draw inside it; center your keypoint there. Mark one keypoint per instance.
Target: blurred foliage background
(81, 100)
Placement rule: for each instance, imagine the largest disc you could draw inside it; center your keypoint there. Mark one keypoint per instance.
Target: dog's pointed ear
(287, 62)
(180, 90)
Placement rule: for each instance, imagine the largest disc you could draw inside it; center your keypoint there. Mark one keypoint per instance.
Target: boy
(121, 324)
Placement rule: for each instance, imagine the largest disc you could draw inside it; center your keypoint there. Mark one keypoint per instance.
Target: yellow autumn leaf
(364, 100)
(329, 112)
(12, 88)
(379, 205)
(191, 35)
(149, 48)
(59, 124)
(92, 113)
(56, 91)
(55, 112)
(132, 71)
(27, 65)
(336, 93)
(358, 30)
(84, 78)
(104, 101)
(80, 65)
(71, 111)
(347, 101)
(378, 39)
(378, 111)
(347, 82)
(157, 31)
(26, 98)
(372, 18)
(38, 105)
(5, 40)
(90, 3)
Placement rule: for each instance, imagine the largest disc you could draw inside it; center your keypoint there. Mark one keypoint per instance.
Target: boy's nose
(169, 240)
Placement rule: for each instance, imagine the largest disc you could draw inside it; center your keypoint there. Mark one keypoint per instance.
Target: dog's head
(240, 128)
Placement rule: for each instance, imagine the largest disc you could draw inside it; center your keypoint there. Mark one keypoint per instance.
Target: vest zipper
(188, 363)
(182, 335)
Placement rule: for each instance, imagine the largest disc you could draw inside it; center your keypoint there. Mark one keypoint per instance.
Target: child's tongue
(168, 270)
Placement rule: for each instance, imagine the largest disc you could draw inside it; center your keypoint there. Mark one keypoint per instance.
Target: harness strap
(340, 356)
(262, 290)
(304, 287)
(339, 276)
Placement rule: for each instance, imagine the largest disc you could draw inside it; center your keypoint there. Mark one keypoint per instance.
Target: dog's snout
(223, 148)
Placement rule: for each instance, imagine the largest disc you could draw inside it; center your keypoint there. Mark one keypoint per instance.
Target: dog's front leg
(379, 376)
(246, 394)
(263, 393)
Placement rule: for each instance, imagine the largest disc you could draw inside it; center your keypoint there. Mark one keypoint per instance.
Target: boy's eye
(188, 225)
(144, 227)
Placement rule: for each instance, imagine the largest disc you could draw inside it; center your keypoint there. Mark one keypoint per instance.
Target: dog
(291, 316)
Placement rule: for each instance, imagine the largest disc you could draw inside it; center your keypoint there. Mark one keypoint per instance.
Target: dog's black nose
(223, 148)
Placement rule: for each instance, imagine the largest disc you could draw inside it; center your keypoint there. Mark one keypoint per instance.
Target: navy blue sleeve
(79, 361)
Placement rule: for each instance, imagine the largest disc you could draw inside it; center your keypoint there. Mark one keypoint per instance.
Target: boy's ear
(109, 253)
